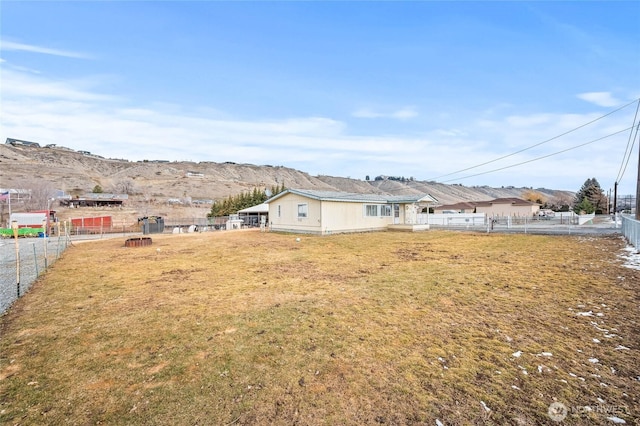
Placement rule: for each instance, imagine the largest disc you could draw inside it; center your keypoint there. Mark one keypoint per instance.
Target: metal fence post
(35, 259)
(14, 226)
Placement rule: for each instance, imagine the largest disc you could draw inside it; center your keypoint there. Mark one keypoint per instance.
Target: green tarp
(22, 232)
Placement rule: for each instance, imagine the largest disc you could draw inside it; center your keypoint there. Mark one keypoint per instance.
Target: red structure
(91, 225)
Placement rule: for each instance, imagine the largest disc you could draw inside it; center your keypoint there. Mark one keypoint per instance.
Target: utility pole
(638, 189)
(615, 198)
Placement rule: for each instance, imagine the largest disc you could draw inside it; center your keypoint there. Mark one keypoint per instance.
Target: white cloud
(75, 114)
(405, 113)
(13, 46)
(603, 99)
(27, 85)
(400, 114)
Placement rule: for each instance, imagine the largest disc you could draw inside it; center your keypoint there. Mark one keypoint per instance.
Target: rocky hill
(153, 183)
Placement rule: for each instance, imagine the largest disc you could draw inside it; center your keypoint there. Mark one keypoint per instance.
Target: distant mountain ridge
(156, 181)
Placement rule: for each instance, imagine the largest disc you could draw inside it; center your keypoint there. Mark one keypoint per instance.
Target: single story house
(328, 212)
(499, 207)
(515, 207)
(101, 199)
(462, 207)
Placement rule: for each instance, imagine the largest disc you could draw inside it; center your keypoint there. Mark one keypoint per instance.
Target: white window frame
(386, 210)
(303, 210)
(371, 210)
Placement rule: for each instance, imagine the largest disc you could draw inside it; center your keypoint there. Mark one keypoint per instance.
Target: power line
(630, 152)
(627, 151)
(539, 158)
(535, 145)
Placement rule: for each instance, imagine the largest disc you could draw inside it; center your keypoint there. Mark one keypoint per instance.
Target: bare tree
(37, 194)
(124, 186)
(534, 196)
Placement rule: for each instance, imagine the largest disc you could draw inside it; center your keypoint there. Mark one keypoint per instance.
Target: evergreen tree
(592, 192)
(233, 203)
(585, 206)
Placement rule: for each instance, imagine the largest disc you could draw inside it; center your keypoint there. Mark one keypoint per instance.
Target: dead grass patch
(379, 328)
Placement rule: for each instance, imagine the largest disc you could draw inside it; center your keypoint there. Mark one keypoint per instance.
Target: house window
(385, 210)
(279, 211)
(302, 210)
(371, 210)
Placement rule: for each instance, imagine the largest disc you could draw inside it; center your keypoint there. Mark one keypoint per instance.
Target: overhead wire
(535, 145)
(628, 150)
(539, 158)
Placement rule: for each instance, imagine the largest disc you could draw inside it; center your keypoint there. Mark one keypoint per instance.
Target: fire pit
(138, 242)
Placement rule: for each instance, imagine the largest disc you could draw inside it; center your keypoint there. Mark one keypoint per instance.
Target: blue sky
(414, 89)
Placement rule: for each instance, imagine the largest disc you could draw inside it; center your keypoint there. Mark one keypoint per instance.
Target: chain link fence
(22, 261)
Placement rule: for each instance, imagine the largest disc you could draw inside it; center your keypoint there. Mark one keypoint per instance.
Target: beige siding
(325, 217)
(289, 220)
(508, 210)
(350, 217)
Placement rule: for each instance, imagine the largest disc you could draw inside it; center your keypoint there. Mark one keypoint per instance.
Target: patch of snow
(621, 348)
(439, 423)
(595, 340)
(487, 409)
(595, 324)
(516, 354)
(573, 375)
(515, 387)
(594, 360)
(617, 420)
(546, 354)
(600, 314)
(631, 257)
(585, 314)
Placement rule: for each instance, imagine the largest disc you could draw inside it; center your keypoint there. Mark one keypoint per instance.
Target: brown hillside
(153, 183)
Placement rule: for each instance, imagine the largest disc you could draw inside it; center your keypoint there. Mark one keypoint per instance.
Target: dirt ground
(244, 327)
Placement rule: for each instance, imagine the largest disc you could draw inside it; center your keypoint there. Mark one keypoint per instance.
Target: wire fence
(22, 261)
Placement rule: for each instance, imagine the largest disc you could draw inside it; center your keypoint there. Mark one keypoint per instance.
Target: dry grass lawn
(251, 328)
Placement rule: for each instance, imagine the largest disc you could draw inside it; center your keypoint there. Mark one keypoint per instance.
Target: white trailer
(28, 220)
